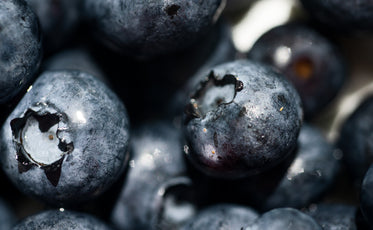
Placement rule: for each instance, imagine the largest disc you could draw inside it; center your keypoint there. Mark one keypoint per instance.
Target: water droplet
(186, 149)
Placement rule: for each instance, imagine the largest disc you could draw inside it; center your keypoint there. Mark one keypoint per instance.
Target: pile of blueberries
(139, 114)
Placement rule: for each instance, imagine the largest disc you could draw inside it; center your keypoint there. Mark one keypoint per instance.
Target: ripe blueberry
(20, 49)
(55, 219)
(151, 28)
(284, 218)
(156, 193)
(311, 62)
(242, 119)
(66, 141)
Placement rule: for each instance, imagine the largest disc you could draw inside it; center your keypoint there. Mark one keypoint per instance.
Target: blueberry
(356, 140)
(58, 19)
(243, 119)
(75, 59)
(284, 219)
(55, 219)
(147, 29)
(309, 176)
(222, 216)
(156, 193)
(334, 216)
(366, 196)
(308, 59)
(66, 141)
(340, 15)
(7, 216)
(20, 50)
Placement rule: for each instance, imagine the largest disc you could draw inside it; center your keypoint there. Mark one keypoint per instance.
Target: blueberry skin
(308, 59)
(310, 175)
(7, 216)
(334, 216)
(20, 50)
(356, 140)
(146, 29)
(75, 59)
(156, 190)
(340, 15)
(92, 130)
(243, 119)
(222, 216)
(366, 196)
(55, 219)
(284, 219)
(58, 19)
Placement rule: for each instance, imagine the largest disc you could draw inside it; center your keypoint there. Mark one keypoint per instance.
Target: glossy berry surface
(55, 219)
(67, 140)
(154, 195)
(309, 60)
(284, 219)
(356, 140)
(151, 28)
(334, 216)
(20, 49)
(311, 173)
(242, 119)
(340, 15)
(222, 216)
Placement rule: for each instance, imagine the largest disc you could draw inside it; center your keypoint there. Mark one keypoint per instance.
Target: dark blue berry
(58, 19)
(20, 50)
(310, 174)
(366, 196)
(307, 59)
(242, 119)
(222, 216)
(341, 15)
(356, 140)
(151, 28)
(156, 193)
(334, 216)
(75, 59)
(284, 219)
(55, 219)
(67, 140)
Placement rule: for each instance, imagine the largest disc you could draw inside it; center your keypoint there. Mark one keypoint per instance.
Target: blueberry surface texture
(58, 19)
(334, 216)
(356, 140)
(156, 193)
(284, 219)
(75, 59)
(222, 217)
(67, 140)
(309, 60)
(242, 119)
(309, 176)
(55, 219)
(340, 15)
(150, 28)
(20, 50)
